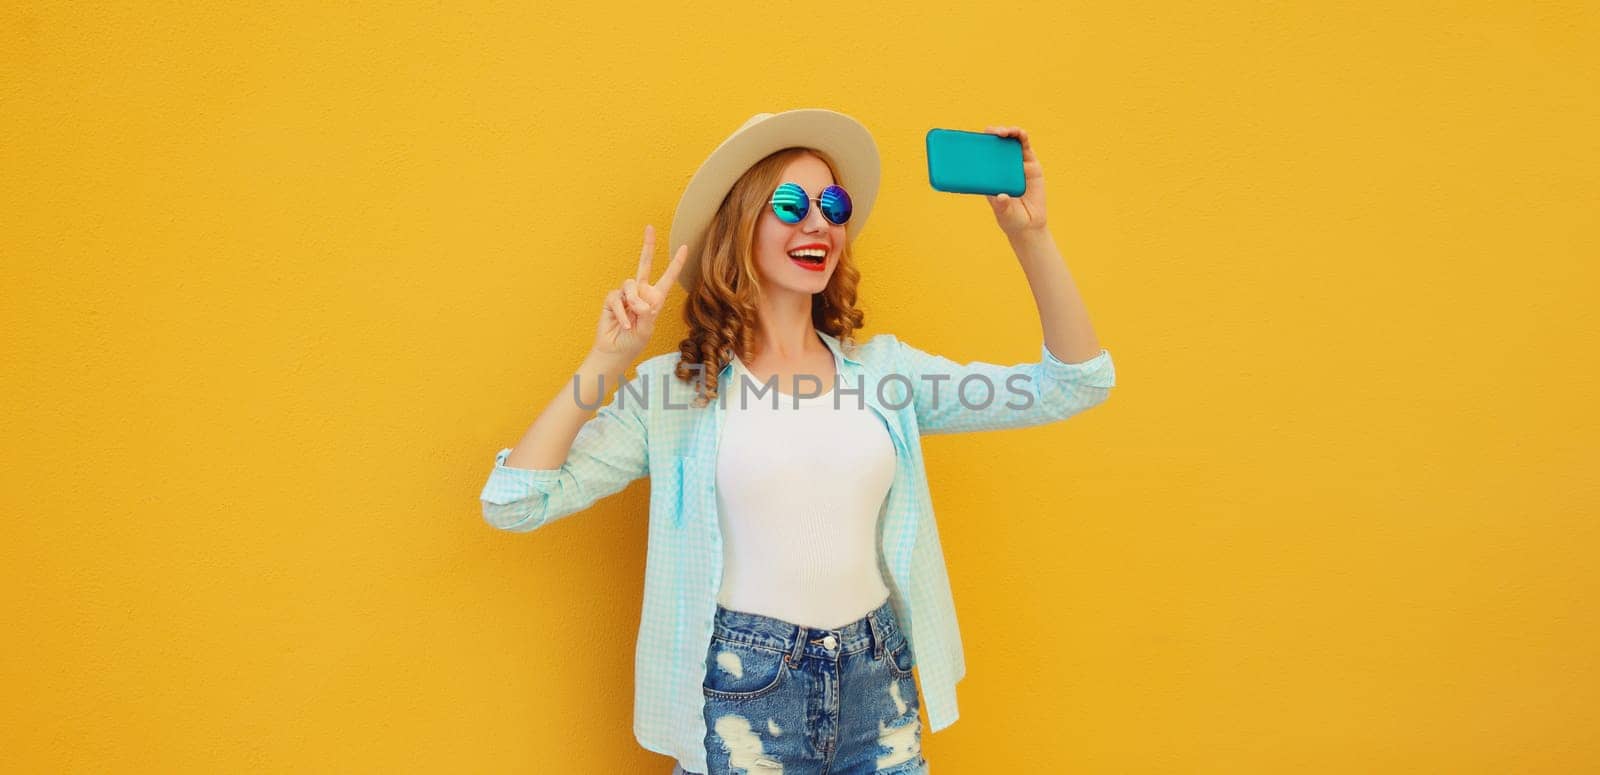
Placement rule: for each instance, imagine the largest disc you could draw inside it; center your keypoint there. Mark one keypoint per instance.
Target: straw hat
(843, 138)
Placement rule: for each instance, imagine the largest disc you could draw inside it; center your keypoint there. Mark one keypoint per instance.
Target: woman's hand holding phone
(998, 163)
(629, 313)
(1018, 214)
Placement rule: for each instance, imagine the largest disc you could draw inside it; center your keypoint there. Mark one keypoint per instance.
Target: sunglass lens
(835, 205)
(790, 203)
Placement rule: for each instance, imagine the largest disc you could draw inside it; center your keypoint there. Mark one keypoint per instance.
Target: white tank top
(800, 490)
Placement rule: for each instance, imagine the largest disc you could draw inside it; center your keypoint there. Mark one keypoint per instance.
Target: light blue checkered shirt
(650, 427)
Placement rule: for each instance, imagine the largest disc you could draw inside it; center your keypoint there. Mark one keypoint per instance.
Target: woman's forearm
(549, 439)
(1062, 314)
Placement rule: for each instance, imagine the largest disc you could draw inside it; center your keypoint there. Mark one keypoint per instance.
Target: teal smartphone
(961, 162)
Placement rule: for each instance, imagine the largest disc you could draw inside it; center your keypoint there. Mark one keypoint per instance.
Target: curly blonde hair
(721, 309)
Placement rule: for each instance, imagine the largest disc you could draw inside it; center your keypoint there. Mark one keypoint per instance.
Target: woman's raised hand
(629, 314)
(1020, 214)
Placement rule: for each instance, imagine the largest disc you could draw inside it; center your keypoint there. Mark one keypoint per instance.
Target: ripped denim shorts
(785, 698)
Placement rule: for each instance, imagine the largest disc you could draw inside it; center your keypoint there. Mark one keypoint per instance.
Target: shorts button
(830, 642)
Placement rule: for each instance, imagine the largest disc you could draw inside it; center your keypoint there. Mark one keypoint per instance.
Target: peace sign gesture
(629, 313)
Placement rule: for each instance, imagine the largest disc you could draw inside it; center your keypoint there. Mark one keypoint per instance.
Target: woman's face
(775, 240)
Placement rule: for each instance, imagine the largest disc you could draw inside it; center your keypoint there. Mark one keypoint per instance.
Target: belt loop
(877, 635)
(799, 647)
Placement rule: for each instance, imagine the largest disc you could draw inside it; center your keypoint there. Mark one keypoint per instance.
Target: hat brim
(846, 141)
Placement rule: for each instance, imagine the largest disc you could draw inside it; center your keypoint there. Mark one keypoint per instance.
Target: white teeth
(812, 252)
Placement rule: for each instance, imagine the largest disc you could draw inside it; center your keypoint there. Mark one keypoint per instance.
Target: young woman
(794, 575)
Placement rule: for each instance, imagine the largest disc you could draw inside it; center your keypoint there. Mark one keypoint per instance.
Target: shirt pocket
(689, 487)
(670, 498)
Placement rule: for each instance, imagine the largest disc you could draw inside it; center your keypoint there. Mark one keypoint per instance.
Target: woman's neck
(785, 333)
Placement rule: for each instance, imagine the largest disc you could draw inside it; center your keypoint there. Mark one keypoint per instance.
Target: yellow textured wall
(280, 279)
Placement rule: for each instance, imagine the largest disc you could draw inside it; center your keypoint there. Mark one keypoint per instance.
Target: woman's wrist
(605, 362)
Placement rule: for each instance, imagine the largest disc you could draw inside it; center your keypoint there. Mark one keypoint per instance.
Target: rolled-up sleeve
(609, 451)
(953, 397)
(1098, 371)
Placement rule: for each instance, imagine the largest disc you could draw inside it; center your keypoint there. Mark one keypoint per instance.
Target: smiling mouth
(813, 263)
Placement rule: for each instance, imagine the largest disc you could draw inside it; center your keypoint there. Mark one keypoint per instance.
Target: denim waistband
(868, 632)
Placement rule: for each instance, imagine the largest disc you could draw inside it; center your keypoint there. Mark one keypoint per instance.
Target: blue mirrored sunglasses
(791, 204)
